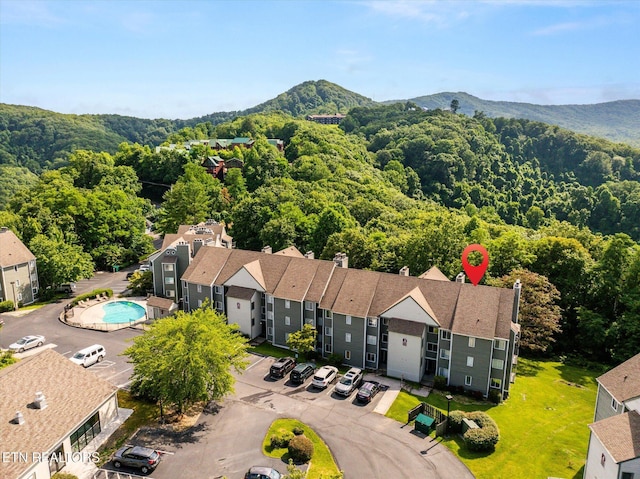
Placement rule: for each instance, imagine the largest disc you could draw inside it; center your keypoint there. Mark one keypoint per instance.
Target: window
(385, 321)
(627, 475)
(327, 348)
(347, 355)
(219, 289)
(269, 314)
(497, 363)
(445, 334)
(469, 361)
(19, 296)
(385, 338)
(347, 337)
(371, 357)
(17, 280)
(219, 305)
(500, 344)
(328, 314)
(199, 303)
(171, 294)
(253, 321)
(253, 305)
(270, 331)
(433, 347)
(444, 353)
(347, 320)
(373, 322)
(328, 331)
(443, 372)
(286, 336)
(85, 433)
(170, 280)
(308, 305)
(614, 404)
(472, 342)
(287, 304)
(287, 321)
(433, 330)
(269, 299)
(168, 267)
(468, 380)
(496, 383)
(199, 288)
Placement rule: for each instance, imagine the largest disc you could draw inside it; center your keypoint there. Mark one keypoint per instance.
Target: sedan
(142, 458)
(259, 472)
(27, 342)
(368, 391)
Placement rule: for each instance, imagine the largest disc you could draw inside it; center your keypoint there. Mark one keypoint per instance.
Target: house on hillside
(18, 271)
(614, 443)
(178, 250)
(327, 119)
(50, 411)
(405, 325)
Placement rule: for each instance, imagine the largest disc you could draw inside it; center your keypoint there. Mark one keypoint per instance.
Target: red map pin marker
(475, 273)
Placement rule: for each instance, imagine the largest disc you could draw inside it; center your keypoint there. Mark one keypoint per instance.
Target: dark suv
(139, 457)
(281, 367)
(302, 372)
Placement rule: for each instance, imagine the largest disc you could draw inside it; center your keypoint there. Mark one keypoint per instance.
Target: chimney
(341, 260)
(19, 419)
(460, 278)
(517, 288)
(40, 402)
(404, 271)
(267, 249)
(309, 255)
(197, 243)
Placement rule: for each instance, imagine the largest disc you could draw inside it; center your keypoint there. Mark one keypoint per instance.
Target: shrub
(6, 306)
(495, 397)
(300, 449)
(91, 295)
(440, 383)
(297, 431)
(282, 439)
(486, 436)
(335, 359)
(455, 421)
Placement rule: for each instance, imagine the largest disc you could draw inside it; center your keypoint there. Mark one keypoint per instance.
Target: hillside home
(18, 271)
(50, 410)
(614, 443)
(170, 262)
(327, 119)
(409, 326)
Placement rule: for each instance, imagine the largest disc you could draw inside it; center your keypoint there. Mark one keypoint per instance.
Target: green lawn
(543, 424)
(322, 463)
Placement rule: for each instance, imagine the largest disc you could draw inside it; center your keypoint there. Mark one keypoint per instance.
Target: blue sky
(181, 59)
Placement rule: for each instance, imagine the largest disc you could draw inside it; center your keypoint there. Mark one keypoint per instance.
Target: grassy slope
(543, 425)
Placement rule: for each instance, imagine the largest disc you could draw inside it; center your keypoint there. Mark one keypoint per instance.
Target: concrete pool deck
(91, 314)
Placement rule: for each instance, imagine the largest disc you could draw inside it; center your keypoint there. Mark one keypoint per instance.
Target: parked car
(88, 356)
(324, 376)
(144, 267)
(142, 458)
(281, 367)
(367, 392)
(27, 342)
(301, 372)
(66, 288)
(349, 382)
(260, 472)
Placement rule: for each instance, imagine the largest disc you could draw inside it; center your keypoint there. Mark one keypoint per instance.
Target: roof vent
(460, 278)
(404, 271)
(341, 260)
(40, 402)
(267, 249)
(309, 255)
(19, 419)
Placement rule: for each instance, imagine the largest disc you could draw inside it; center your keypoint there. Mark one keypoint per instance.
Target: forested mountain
(40, 139)
(616, 120)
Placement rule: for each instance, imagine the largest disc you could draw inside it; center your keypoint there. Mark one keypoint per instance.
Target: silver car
(27, 342)
(349, 382)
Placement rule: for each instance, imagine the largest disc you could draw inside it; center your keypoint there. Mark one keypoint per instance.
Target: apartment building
(18, 271)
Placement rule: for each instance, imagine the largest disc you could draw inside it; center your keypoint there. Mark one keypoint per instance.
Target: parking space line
(257, 362)
(118, 374)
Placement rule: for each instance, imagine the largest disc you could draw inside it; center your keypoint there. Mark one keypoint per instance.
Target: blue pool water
(122, 312)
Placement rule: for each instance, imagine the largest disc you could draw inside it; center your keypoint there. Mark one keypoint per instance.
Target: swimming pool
(116, 312)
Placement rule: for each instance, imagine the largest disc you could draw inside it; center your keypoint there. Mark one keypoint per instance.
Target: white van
(88, 356)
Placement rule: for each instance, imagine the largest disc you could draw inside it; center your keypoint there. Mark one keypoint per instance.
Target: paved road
(66, 340)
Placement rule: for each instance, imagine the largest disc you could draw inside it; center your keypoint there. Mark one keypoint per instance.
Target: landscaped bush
(6, 306)
(91, 295)
(440, 382)
(486, 436)
(63, 475)
(455, 421)
(495, 397)
(335, 359)
(282, 439)
(300, 449)
(297, 431)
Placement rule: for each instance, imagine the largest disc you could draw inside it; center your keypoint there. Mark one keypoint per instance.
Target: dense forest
(391, 186)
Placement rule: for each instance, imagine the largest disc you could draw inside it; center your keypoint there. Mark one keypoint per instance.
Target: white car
(324, 376)
(349, 382)
(27, 342)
